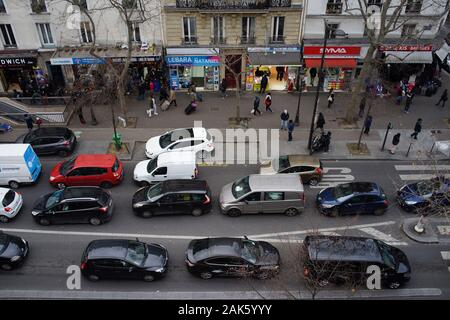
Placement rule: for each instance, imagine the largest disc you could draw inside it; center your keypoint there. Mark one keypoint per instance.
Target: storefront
(340, 66)
(194, 65)
(280, 65)
(17, 69)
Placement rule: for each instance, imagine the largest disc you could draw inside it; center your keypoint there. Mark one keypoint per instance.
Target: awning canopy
(274, 59)
(443, 52)
(331, 63)
(409, 56)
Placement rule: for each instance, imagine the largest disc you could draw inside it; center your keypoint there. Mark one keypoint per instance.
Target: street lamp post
(300, 86)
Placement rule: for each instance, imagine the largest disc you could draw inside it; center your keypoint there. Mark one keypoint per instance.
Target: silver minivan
(259, 193)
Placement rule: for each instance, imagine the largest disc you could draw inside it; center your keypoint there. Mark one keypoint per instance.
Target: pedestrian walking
(268, 102)
(280, 73)
(362, 106)
(367, 124)
(163, 94)
(320, 121)
(173, 97)
(256, 106)
(291, 127)
(264, 82)
(284, 120)
(142, 87)
(313, 74)
(395, 142)
(408, 102)
(330, 98)
(223, 88)
(417, 129)
(152, 107)
(443, 99)
(29, 121)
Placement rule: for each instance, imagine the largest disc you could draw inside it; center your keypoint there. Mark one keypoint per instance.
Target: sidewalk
(437, 230)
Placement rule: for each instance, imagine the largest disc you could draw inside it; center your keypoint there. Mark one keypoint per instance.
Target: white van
(166, 166)
(19, 164)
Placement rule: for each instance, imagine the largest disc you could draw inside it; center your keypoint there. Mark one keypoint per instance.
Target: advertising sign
(205, 61)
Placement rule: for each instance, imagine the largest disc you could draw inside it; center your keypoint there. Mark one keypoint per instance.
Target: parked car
(309, 168)
(124, 259)
(103, 170)
(187, 139)
(166, 166)
(173, 197)
(13, 251)
(51, 140)
(263, 194)
(429, 195)
(19, 165)
(232, 257)
(74, 205)
(352, 198)
(10, 204)
(345, 260)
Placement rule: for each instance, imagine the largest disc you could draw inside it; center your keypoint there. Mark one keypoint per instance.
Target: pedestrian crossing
(421, 172)
(332, 176)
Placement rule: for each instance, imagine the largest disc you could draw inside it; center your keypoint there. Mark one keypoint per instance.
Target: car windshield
(154, 191)
(343, 190)
(29, 136)
(116, 165)
(152, 165)
(250, 251)
(53, 199)
(67, 166)
(241, 187)
(283, 163)
(166, 139)
(136, 253)
(386, 254)
(9, 198)
(3, 242)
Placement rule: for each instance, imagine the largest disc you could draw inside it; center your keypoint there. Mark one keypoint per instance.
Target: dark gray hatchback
(51, 140)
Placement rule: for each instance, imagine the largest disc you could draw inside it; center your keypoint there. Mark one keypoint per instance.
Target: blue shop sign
(87, 61)
(204, 61)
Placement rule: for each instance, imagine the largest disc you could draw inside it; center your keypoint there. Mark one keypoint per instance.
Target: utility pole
(300, 86)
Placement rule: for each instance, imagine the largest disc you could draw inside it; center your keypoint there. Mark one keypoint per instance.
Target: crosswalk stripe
(330, 233)
(410, 177)
(379, 235)
(422, 167)
(445, 255)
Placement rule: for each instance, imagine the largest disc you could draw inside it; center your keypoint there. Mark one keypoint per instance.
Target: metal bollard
(389, 127)
(407, 153)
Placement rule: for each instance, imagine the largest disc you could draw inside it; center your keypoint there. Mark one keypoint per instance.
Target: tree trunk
(238, 98)
(121, 98)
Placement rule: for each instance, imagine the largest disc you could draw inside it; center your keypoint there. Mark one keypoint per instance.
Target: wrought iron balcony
(248, 40)
(232, 4)
(189, 40)
(334, 8)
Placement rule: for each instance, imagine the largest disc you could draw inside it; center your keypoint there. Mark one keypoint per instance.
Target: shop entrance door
(234, 62)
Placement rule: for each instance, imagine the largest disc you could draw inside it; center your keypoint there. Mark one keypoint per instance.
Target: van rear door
(32, 163)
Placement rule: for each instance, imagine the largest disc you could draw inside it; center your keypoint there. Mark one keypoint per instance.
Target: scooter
(4, 127)
(321, 143)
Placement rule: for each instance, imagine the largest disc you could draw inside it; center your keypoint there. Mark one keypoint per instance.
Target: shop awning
(331, 63)
(443, 52)
(274, 59)
(409, 56)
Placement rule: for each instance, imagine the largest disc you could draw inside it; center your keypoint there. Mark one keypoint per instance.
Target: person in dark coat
(223, 88)
(280, 73)
(395, 142)
(367, 124)
(163, 94)
(443, 99)
(264, 82)
(330, 98)
(256, 106)
(320, 121)
(313, 74)
(291, 127)
(417, 129)
(29, 121)
(408, 102)
(362, 106)
(284, 120)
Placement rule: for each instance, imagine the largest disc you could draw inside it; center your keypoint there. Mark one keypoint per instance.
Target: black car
(232, 257)
(13, 251)
(51, 140)
(426, 196)
(352, 198)
(124, 259)
(173, 197)
(345, 260)
(74, 205)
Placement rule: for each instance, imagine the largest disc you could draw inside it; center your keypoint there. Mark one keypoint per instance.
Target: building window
(83, 4)
(375, 3)
(413, 6)
(45, 33)
(277, 29)
(330, 32)
(130, 4)
(2, 7)
(409, 30)
(218, 30)
(38, 6)
(136, 32)
(248, 30)
(86, 32)
(189, 30)
(334, 7)
(9, 41)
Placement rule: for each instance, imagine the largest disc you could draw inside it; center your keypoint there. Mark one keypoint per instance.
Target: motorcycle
(321, 142)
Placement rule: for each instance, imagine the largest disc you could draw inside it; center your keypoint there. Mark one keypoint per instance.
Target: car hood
(226, 196)
(55, 172)
(269, 254)
(409, 193)
(266, 168)
(326, 196)
(15, 247)
(152, 147)
(39, 205)
(156, 258)
(140, 195)
(141, 169)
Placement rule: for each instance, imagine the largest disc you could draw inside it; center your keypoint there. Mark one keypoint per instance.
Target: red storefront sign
(332, 51)
(398, 47)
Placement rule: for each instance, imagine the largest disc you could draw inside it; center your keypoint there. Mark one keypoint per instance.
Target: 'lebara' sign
(205, 61)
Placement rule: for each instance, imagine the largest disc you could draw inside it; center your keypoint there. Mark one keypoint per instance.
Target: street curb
(429, 236)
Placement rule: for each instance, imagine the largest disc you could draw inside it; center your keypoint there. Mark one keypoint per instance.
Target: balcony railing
(334, 8)
(189, 40)
(276, 39)
(232, 4)
(248, 40)
(414, 7)
(218, 40)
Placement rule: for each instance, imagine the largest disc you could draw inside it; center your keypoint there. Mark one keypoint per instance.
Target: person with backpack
(284, 120)
(268, 102)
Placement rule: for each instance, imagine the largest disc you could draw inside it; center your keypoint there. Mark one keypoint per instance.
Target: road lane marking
(421, 167)
(444, 230)
(331, 180)
(423, 176)
(445, 255)
(379, 235)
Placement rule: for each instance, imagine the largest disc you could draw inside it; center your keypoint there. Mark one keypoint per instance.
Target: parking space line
(378, 234)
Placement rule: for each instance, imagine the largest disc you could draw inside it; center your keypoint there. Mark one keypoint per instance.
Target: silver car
(263, 194)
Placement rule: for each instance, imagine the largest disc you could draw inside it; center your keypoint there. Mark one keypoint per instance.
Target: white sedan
(10, 204)
(188, 139)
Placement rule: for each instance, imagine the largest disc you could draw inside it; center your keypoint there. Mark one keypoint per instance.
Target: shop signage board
(332, 51)
(205, 61)
(17, 62)
(397, 47)
(61, 61)
(69, 61)
(274, 49)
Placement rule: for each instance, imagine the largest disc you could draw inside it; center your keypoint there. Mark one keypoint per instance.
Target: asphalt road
(51, 253)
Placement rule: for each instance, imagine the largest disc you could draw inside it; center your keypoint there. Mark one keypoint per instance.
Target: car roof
(95, 160)
(49, 131)
(276, 182)
(364, 187)
(339, 248)
(180, 185)
(199, 132)
(108, 248)
(217, 247)
(82, 192)
(297, 159)
(3, 192)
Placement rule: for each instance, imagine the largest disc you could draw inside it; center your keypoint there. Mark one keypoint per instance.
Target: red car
(103, 170)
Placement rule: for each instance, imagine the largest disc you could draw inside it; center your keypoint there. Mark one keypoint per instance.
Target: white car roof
(199, 132)
(3, 191)
(13, 149)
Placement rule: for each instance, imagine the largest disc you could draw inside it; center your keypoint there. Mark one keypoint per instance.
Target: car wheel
(44, 222)
(61, 185)
(206, 275)
(62, 153)
(394, 285)
(13, 184)
(291, 212)
(146, 214)
(93, 277)
(379, 212)
(149, 278)
(313, 182)
(6, 267)
(4, 219)
(106, 185)
(197, 212)
(234, 212)
(334, 212)
(95, 221)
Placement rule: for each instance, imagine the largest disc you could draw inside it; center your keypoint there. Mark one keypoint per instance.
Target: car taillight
(386, 202)
(83, 265)
(104, 209)
(207, 200)
(116, 175)
(318, 171)
(7, 209)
